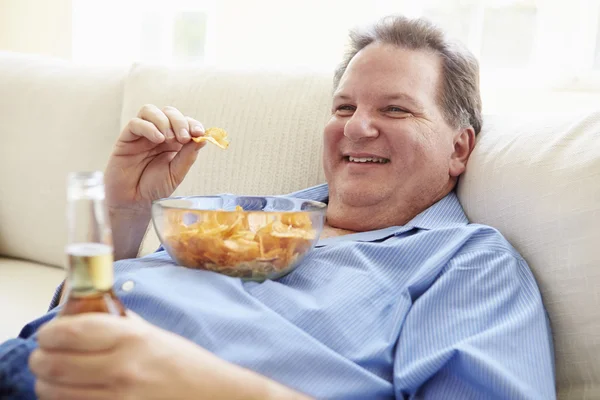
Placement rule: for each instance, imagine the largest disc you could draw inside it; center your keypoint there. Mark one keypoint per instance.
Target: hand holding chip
(153, 153)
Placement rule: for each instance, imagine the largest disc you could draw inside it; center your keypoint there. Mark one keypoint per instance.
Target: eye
(345, 109)
(395, 109)
(397, 112)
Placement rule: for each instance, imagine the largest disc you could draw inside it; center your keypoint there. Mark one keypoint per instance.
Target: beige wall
(36, 26)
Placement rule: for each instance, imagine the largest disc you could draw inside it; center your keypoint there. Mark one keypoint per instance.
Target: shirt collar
(446, 213)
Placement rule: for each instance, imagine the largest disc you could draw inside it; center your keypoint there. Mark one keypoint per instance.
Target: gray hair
(459, 95)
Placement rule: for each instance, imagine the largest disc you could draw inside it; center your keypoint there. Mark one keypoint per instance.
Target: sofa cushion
(56, 117)
(537, 179)
(26, 289)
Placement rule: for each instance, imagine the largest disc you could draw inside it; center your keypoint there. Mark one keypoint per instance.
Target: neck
(360, 218)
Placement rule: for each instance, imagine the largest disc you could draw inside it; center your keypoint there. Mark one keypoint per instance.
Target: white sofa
(536, 178)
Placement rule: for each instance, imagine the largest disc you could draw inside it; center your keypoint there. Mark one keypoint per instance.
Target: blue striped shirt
(438, 308)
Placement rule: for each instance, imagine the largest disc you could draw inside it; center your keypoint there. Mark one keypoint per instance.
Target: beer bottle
(89, 248)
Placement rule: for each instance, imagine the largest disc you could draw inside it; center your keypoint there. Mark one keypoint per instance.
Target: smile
(366, 159)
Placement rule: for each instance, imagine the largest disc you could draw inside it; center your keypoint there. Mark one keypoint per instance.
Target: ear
(464, 142)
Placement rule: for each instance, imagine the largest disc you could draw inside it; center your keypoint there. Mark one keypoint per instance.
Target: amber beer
(89, 250)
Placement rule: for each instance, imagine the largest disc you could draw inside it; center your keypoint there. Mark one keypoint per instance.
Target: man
(401, 298)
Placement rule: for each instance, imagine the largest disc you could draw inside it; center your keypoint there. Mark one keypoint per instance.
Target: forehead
(383, 69)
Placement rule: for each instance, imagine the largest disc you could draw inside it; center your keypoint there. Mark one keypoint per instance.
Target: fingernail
(185, 134)
(170, 134)
(198, 129)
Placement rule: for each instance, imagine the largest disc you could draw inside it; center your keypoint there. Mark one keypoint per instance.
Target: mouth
(365, 160)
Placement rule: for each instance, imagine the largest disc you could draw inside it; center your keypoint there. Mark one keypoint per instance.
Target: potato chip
(216, 136)
(297, 220)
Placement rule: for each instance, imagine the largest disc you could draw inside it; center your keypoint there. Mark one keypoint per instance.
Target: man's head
(406, 109)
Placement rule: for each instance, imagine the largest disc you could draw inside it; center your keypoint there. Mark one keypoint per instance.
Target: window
(153, 31)
(549, 44)
(525, 43)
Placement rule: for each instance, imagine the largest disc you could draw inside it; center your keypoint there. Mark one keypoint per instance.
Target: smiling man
(401, 298)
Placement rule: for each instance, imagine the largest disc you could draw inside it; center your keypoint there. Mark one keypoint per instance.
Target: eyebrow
(392, 96)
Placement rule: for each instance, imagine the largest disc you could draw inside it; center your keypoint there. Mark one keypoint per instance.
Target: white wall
(36, 26)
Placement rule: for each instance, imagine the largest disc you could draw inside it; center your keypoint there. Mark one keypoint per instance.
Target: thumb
(185, 158)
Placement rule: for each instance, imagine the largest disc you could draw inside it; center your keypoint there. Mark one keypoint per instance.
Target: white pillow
(537, 180)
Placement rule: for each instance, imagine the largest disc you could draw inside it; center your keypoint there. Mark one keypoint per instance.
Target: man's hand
(100, 356)
(151, 157)
(153, 154)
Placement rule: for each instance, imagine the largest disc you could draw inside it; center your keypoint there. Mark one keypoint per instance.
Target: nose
(360, 126)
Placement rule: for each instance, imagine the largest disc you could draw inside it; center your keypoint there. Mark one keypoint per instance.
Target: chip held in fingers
(216, 136)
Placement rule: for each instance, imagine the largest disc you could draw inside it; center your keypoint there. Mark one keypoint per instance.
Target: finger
(139, 128)
(151, 113)
(52, 391)
(72, 368)
(89, 332)
(196, 127)
(179, 124)
(183, 161)
(197, 130)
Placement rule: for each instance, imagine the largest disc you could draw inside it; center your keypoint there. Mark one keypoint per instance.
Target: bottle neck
(89, 245)
(88, 221)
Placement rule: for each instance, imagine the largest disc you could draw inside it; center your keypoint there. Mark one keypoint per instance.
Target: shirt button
(127, 286)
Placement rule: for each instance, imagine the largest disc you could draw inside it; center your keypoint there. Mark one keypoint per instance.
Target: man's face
(387, 143)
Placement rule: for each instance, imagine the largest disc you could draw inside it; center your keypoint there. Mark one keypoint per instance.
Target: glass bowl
(250, 237)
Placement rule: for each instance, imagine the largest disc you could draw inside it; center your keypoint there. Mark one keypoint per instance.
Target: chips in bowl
(251, 237)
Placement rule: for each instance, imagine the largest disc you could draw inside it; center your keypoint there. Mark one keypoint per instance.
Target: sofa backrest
(55, 117)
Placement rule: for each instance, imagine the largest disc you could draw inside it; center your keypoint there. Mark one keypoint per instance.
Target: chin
(358, 196)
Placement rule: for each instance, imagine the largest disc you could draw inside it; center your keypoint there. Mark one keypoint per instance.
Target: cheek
(332, 134)
(407, 144)
(414, 148)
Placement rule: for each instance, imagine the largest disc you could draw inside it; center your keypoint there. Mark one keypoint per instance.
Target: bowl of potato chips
(250, 237)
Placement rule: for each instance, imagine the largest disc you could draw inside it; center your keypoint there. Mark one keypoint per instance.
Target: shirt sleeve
(54, 302)
(479, 332)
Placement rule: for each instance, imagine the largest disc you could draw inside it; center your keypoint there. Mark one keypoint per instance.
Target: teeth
(367, 159)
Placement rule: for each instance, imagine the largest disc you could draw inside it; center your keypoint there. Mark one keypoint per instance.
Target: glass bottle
(90, 275)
